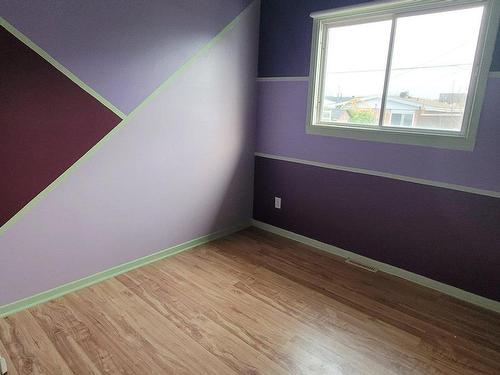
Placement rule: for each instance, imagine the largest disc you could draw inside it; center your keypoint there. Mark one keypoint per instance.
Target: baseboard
(407, 275)
(59, 291)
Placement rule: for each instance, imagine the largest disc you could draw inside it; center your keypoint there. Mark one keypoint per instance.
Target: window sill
(436, 140)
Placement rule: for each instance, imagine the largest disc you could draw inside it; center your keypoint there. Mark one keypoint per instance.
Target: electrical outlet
(277, 203)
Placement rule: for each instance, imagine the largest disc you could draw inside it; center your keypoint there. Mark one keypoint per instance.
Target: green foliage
(358, 116)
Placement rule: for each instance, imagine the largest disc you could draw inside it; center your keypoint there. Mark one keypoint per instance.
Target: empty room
(249, 187)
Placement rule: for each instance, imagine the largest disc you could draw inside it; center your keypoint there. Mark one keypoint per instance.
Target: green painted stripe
(59, 291)
(200, 53)
(23, 38)
(118, 127)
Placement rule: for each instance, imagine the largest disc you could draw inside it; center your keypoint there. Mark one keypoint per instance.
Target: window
(400, 118)
(403, 71)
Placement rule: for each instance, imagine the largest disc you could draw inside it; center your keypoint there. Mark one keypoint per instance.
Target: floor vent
(361, 265)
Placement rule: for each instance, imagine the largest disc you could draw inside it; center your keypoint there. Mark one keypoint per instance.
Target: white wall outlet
(277, 203)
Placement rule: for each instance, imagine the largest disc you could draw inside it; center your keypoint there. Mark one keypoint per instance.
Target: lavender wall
(440, 233)
(180, 168)
(281, 131)
(122, 49)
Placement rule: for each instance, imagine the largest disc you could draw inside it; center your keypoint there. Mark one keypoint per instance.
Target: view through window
(404, 72)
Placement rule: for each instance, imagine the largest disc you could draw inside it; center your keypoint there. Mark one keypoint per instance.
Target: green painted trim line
(117, 128)
(200, 53)
(60, 291)
(32, 45)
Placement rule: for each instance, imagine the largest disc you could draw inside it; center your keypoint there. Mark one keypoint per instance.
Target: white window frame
(389, 10)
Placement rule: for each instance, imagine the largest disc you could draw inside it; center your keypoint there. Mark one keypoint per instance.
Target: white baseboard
(410, 276)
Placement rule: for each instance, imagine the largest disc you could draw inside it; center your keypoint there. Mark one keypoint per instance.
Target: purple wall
(446, 235)
(281, 131)
(443, 234)
(122, 49)
(282, 112)
(46, 124)
(181, 168)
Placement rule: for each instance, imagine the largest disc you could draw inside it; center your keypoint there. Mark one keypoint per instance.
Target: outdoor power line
(394, 69)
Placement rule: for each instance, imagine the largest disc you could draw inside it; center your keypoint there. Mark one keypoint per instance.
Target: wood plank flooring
(252, 303)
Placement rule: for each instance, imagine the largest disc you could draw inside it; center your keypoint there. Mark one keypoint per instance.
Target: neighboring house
(403, 111)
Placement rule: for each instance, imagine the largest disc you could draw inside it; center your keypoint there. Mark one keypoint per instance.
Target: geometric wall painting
(47, 122)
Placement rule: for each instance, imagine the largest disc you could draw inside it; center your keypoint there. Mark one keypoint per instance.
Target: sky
(432, 54)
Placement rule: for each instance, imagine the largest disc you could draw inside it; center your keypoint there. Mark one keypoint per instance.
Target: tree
(361, 116)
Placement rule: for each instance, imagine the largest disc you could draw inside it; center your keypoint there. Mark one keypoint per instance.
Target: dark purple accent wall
(446, 235)
(47, 123)
(285, 35)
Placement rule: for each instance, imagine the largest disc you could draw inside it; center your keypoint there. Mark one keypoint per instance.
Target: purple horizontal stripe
(281, 131)
(443, 234)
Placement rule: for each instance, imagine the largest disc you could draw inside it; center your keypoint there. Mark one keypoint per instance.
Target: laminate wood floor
(252, 303)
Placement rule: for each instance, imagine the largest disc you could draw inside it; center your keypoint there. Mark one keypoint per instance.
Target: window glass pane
(396, 119)
(431, 68)
(356, 58)
(407, 120)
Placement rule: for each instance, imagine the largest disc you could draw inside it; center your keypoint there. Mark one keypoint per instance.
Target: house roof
(411, 102)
